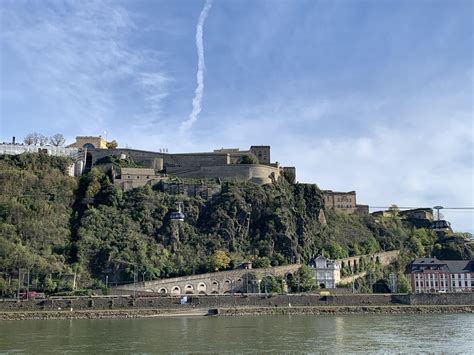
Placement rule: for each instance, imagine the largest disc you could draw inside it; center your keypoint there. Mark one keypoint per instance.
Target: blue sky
(373, 96)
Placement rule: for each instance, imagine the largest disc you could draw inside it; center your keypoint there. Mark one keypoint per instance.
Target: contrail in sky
(201, 67)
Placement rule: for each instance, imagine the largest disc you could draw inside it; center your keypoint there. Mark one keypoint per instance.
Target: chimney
(13, 140)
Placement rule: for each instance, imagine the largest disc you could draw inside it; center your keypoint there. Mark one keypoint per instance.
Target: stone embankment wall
(223, 282)
(305, 300)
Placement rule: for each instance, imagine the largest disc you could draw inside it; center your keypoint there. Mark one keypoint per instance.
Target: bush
(248, 159)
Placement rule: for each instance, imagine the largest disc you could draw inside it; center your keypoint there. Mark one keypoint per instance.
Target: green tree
(112, 145)
(248, 159)
(218, 261)
(305, 279)
(261, 262)
(371, 245)
(403, 284)
(271, 284)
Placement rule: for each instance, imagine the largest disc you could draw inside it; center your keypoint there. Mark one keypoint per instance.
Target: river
(272, 334)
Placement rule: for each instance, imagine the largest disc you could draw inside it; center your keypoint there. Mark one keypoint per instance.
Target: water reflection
(307, 334)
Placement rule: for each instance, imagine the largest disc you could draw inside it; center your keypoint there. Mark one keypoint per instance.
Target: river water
(272, 334)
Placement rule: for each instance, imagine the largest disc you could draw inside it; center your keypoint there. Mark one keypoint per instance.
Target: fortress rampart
(259, 174)
(221, 164)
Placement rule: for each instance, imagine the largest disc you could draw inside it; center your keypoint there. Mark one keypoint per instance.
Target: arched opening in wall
(349, 265)
(355, 266)
(201, 287)
(202, 293)
(214, 293)
(163, 290)
(215, 284)
(239, 280)
(188, 289)
(372, 259)
(88, 161)
(176, 290)
(343, 264)
(227, 292)
(321, 285)
(377, 260)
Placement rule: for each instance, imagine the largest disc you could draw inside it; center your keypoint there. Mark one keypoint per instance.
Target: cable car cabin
(441, 226)
(177, 216)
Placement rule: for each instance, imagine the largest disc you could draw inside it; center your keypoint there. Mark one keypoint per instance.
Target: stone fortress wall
(222, 164)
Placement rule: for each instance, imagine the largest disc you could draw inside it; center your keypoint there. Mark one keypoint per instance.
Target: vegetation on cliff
(67, 230)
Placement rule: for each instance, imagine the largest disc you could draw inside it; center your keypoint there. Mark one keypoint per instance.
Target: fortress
(191, 174)
(224, 165)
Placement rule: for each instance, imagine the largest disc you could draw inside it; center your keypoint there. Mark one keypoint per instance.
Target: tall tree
(29, 139)
(42, 139)
(57, 140)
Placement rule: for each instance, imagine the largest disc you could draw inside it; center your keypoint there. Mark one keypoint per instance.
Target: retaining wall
(166, 302)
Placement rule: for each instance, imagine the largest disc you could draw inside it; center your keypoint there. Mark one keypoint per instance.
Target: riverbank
(234, 311)
(257, 311)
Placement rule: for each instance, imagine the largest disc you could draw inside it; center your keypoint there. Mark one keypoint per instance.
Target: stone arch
(355, 265)
(163, 290)
(343, 264)
(176, 290)
(203, 292)
(201, 287)
(377, 260)
(214, 292)
(215, 284)
(188, 289)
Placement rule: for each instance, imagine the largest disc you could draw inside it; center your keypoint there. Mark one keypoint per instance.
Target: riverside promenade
(134, 307)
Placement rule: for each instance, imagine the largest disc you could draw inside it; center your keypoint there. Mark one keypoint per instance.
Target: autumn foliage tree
(219, 261)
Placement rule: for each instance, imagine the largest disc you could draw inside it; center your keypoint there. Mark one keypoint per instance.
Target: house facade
(433, 275)
(327, 273)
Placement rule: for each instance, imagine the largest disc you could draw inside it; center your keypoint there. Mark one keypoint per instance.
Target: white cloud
(75, 56)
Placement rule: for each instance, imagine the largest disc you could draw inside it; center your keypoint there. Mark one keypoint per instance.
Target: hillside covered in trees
(66, 230)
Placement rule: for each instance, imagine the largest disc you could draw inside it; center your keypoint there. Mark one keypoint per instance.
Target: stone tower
(262, 152)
